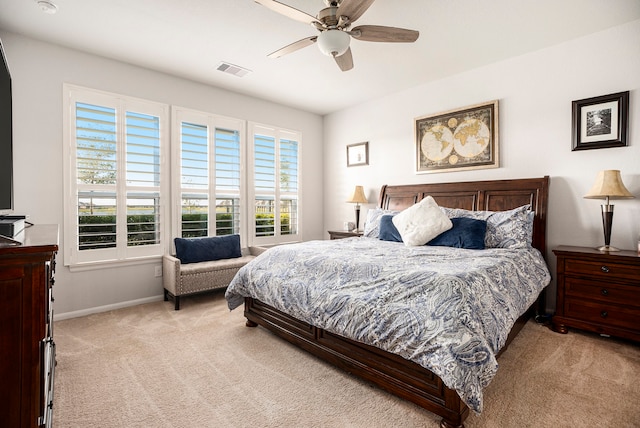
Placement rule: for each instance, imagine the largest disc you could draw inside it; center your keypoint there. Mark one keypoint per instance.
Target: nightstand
(598, 292)
(340, 234)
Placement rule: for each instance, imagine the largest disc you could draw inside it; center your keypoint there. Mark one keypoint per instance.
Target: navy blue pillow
(194, 250)
(388, 230)
(466, 233)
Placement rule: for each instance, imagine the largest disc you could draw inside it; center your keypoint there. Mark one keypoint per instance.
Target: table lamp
(608, 185)
(358, 198)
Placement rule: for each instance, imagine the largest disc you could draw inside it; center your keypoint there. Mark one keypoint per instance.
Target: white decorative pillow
(421, 222)
(372, 224)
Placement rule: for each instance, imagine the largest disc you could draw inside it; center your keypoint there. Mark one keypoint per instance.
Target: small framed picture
(358, 154)
(600, 122)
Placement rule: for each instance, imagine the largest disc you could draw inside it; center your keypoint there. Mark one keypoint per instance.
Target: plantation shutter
(265, 185)
(275, 185)
(227, 156)
(289, 187)
(210, 174)
(96, 166)
(194, 179)
(143, 179)
(116, 177)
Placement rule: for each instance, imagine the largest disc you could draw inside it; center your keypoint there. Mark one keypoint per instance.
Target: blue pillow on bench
(194, 250)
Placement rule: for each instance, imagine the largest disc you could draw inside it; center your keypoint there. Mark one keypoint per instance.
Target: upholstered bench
(185, 275)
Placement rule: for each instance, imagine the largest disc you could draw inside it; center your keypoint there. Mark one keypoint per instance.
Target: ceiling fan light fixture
(334, 23)
(333, 42)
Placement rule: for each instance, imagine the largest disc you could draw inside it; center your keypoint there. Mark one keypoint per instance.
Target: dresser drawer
(602, 314)
(603, 291)
(601, 269)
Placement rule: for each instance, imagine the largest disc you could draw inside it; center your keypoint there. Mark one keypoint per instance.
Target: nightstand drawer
(341, 234)
(598, 291)
(603, 291)
(601, 269)
(602, 314)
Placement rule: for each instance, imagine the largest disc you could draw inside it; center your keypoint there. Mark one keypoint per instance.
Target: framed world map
(455, 140)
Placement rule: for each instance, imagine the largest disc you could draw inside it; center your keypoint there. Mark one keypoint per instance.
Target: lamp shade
(358, 196)
(609, 185)
(333, 42)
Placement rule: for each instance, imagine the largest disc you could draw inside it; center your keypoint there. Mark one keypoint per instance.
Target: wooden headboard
(494, 195)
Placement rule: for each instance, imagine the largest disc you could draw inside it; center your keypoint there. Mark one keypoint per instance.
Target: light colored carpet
(151, 366)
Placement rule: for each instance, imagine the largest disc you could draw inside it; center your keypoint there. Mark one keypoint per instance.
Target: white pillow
(421, 222)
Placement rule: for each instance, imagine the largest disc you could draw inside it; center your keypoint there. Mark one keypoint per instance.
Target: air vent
(236, 70)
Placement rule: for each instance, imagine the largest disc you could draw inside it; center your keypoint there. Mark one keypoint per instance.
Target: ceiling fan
(334, 23)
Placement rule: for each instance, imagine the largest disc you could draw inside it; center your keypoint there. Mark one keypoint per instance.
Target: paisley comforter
(447, 309)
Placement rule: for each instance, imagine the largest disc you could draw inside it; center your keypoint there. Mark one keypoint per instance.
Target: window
(116, 182)
(210, 155)
(275, 185)
(124, 200)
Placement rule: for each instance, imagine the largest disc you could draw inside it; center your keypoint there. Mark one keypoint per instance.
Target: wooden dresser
(598, 291)
(27, 350)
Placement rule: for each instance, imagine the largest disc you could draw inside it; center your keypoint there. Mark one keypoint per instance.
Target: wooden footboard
(401, 377)
(390, 372)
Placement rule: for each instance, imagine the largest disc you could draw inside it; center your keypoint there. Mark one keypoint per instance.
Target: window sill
(110, 264)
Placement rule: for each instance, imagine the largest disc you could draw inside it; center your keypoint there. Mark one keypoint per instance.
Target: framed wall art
(358, 154)
(456, 140)
(600, 122)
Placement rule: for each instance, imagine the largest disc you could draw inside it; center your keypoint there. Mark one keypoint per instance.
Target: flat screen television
(6, 137)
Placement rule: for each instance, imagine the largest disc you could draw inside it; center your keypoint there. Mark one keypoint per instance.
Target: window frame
(169, 190)
(121, 253)
(213, 121)
(278, 134)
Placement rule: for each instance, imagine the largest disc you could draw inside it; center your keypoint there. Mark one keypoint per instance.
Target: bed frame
(393, 373)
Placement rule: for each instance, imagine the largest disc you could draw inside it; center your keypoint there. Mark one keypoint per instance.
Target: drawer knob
(604, 292)
(604, 314)
(604, 269)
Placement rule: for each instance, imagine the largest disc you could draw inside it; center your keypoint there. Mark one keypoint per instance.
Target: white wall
(38, 71)
(535, 92)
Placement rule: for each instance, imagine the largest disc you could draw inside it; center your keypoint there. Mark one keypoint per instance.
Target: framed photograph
(456, 140)
(358, 154)
(600, 122)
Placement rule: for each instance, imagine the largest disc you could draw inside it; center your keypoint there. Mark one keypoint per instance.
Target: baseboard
(106, 308)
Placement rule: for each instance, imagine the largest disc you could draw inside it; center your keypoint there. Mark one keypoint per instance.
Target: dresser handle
(604, 292)
(604, 269)
(604, 314)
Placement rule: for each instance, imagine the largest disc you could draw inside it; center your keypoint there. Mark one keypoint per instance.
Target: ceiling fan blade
(345, 61)
(353, 9)
(380, 33)
(293, 47)
(288, 11)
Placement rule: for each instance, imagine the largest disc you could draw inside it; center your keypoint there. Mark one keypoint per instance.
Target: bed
(402, 349)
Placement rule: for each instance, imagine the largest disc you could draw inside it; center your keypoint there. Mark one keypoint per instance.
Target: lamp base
(607, 222)
(607, 248)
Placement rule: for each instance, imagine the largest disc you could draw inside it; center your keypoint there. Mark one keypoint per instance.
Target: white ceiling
(190, 38)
